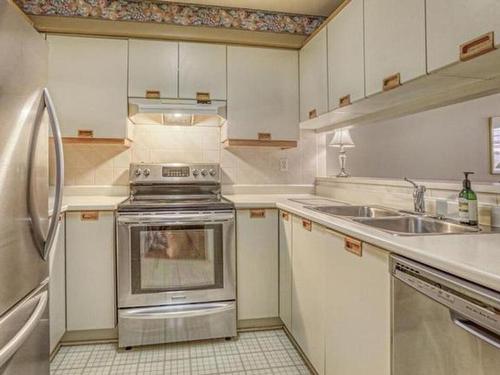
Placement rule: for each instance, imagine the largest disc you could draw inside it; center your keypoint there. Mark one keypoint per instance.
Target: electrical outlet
(284, 165)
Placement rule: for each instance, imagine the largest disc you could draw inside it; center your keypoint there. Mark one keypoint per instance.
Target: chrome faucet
(418, 196)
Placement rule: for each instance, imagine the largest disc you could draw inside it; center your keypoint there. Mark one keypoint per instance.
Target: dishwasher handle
(474, 329)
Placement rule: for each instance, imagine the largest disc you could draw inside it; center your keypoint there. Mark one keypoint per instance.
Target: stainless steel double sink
(395, 222)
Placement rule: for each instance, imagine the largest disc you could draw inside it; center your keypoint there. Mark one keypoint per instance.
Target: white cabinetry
(202, 68)
(358, 307)
(153, 67)
(308, 290)
(394, 42)
(90, 262)
(88, 83)
(285, 268)
(257, 263)
(263, 94)
(57, 286)
(313, 77)
(346, 65)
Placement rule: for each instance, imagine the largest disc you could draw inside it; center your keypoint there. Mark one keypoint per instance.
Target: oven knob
(138, 172)
(196, 172)
(204, 172)
(212, 172)
(147, 172)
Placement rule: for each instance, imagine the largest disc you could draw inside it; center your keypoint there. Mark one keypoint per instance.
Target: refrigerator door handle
(24, 333)
(45, 243)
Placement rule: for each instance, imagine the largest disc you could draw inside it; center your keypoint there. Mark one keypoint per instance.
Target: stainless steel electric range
(175, 256)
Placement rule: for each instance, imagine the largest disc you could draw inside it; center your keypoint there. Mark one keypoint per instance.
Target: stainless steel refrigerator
(26, 232)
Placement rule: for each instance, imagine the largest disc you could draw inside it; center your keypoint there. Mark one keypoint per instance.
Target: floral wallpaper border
(175, 14)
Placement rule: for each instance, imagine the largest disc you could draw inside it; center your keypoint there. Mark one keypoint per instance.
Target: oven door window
(175, 258)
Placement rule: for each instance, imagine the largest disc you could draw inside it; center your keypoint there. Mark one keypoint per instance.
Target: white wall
(438, 144)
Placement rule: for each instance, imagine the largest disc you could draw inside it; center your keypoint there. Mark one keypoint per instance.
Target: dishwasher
(441, 324)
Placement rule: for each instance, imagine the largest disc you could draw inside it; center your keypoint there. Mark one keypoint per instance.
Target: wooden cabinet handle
(89, 215)
(307, 224)
(313, 113)
(353, 246)
(84, 133)
(477, 47)
(257, 214)
(345, 101)
(153, 94)
(264, 136)
(285, 216)
(203, 98)
(392, 82)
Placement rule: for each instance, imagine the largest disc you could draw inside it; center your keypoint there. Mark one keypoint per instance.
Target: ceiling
(310, 7)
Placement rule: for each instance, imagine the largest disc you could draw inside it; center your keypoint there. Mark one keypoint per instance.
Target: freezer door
(24, 336)
(23, 75)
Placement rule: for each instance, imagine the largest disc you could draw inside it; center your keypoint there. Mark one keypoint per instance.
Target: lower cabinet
(308, 290)
(257, 263)
(285, 268)
(57, 286)
(90, 264)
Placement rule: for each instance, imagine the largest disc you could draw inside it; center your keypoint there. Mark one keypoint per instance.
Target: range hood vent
(182, 112)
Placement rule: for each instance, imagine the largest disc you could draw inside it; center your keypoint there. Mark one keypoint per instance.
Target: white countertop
(89, 203)
(475, 257)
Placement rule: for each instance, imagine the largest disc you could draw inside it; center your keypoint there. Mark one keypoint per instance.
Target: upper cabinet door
(202, 68)
(153, 66)
(394, 42)
(88, 83)
(346, 65)
(313, 77)
(451, 23)
(263, 93)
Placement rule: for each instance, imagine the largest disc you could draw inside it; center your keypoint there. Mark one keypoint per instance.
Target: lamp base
(342, 160)
(343, 173)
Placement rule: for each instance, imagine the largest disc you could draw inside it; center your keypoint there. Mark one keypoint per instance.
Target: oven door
(175, 258)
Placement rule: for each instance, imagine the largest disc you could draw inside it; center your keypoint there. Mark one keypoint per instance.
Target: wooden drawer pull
(153, 94)
(353, 246)
(257, 214)
(478, 46)
(392, 82)
(85, 133)
(89, 215)
(203, 98)
(307, 224)
(313, 113)
(345, 101)
(264, 136)
(285, 216)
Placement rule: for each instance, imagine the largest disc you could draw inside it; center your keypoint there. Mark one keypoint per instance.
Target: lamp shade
(342, 138)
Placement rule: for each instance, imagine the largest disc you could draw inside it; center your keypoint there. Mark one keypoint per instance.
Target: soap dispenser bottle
(467, 203)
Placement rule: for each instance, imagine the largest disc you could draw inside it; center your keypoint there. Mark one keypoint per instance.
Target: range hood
(184, 112)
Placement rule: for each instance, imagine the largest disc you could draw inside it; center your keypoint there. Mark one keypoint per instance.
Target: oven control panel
(174, 173)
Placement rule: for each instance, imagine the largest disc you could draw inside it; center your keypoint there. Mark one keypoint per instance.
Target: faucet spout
(418, 196)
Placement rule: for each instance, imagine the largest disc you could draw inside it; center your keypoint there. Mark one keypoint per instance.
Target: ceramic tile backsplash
(108, 165)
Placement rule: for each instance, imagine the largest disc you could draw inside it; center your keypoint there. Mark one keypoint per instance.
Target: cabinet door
(90, 264)
(308, 290)
(346, 65)
(450, 23)
(285, 268)
(88, 83)
(153, 66)
(202, 68)
(394, 41)
(257, 263)
(263, 93)
(314, 77)
(57, 286)
(358, 304)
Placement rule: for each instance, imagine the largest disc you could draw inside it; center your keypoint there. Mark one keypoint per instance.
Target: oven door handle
(176, 311)
(176, 219)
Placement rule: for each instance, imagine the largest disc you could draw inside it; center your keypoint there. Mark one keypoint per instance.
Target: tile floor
(254, 353)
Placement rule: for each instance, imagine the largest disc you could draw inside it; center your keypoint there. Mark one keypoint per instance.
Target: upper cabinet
(153, 68)
(346, 65)
(313, 77)
(88, 83)
(456, 27)
(394, 43)
(263, 96)
(202, 69)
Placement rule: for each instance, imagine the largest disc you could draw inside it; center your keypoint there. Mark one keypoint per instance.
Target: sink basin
(415, 225)
(356, 211)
